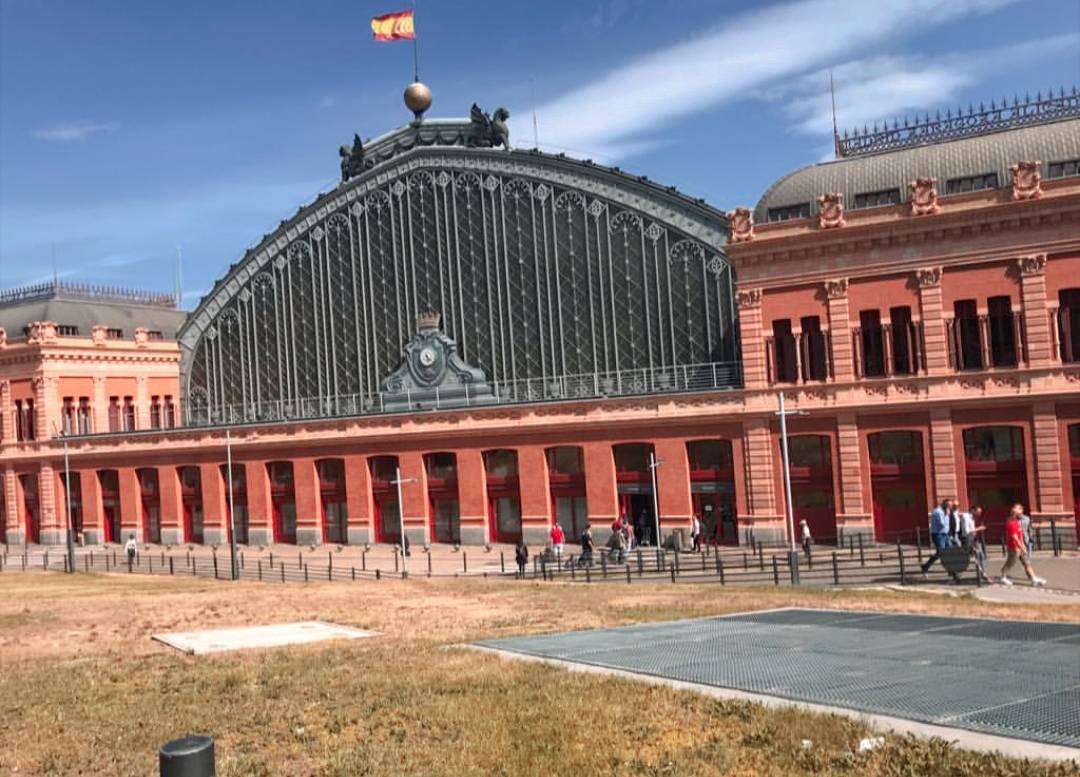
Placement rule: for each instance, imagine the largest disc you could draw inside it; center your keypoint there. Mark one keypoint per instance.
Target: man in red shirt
(557, 538)
(1017, 549)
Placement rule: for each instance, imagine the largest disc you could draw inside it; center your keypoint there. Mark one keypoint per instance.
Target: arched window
(566, 476)
(994, 444)
(332, 500)
(895, 448)
(384, 492)
(1069, 324)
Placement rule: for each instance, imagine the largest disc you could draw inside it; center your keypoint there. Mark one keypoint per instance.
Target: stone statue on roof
(489, 131)
(352, 159)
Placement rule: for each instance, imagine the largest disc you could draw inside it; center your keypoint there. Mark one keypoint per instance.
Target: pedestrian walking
(557, 538)
(939, 532)
(1025, 530)
(586, 547)
(695, 533)
(970, 529)
(618, 546)
(131, 548)
(521, 556)
(807, 540)
(1016, 549)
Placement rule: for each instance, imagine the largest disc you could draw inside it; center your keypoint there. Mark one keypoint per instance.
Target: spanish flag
(394, 26)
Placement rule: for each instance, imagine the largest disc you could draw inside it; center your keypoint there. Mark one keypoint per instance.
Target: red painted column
(535, 488)
(415, 510)
(601, 490)
(752, 338)
(359, 501)
(852, 515)
(472, 497)
(933, 320)
(1050, 476)
(673, 486)
(766, 517)
(1037, 333)
(260, 513)
(60, 502)
(93, 515)
(943, 459)
(130, 506)
(309, 520)
(215, 513)
(172, 509)
(52, 532)
(11, 507)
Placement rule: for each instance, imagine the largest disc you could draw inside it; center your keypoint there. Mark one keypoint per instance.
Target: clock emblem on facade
(427, 356)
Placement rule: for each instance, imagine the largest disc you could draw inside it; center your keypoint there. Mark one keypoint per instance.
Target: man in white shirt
(131, 548)
(969, 532)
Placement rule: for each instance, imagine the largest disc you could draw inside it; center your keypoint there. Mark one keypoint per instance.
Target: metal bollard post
(900, 556)
(187, 757)
(281, 567)
(305, 573)
(640, 563)
(259, 563)
(588, 575)
(271, 559)
(1054, 537)
(215, 566)
(1038, 538)
(745, 562)
(378, 574)
(628, 574)
(919, 547)
(675, 566)
(395, 560)
(502, 562)
(603, 564)
(775, 571)
(429, 564)
(862, 556)
(464, 563)
(918, 541)
(299, 558)
(761, 558)
(720, 568)
(672, 568)
(835, 570)
(353, 573)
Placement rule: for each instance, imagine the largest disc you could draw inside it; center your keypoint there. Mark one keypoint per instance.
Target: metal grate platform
(1008, 678)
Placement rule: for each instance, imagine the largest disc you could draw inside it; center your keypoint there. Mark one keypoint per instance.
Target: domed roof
(948, 160)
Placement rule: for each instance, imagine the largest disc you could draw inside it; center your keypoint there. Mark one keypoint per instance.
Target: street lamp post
(793, 558)
(653, 464)
(401, 517)
(232, 512)
(67, 497)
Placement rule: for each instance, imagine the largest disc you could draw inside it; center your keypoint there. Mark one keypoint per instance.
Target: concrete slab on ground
(1008, 686)
(274, 635)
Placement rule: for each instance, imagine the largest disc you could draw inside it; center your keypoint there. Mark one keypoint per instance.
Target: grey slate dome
(988, 154)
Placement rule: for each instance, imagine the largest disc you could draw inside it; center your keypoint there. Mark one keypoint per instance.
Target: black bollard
(187, 757)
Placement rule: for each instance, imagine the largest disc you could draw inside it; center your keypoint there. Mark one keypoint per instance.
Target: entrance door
(283, 501)
(504, 498)
(712, 488)
(191, 502)
(812, 485)
(151, 510)
(716, 510)
(898, 484)
(637, 509)
(110, 504)
(505, 517)
(30, 508)
(996, 474)
(446, 519)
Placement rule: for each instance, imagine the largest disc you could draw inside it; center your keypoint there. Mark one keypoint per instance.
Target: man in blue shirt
(939, 532)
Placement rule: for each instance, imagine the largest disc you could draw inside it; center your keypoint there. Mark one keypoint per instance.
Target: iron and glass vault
(558, 278)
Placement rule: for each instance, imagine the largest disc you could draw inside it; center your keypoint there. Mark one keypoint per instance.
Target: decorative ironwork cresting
(964, 123)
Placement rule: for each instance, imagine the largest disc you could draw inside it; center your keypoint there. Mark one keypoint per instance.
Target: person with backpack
(586, 547)
(131, 548)
(521, 556)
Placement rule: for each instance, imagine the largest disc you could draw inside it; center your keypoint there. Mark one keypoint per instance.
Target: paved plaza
(1013, 679)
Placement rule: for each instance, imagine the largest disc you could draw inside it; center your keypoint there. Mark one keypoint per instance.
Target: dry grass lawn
(84, 691)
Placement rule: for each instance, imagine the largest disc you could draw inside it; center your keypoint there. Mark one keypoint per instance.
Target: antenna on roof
(536, 127)
(55, 276)
(835, 134)
(179, 288)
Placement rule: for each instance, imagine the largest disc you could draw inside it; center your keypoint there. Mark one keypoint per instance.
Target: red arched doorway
(812, 485)
(996, 473)
(109, 480)
(712, 489)
(283, 501)
(150, 497)
(332, 501)
(385, 499)
(31, 507)
(191, 502)
(898, 485)
(504, 497)
(634, 481)
(443, 497)
(239, 500)
(1074, 458)
(566, 478)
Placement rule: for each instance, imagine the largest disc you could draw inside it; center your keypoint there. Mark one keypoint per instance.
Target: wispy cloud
(76, 130)
(329, 101)
(880, 89)
(729, 62)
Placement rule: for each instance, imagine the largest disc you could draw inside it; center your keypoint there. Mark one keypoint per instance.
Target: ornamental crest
(924, 200)
(1026, 180)
(831, 210)
(431, 373)
(742, 225)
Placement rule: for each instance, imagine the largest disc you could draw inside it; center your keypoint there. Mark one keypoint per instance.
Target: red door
(716, 510)
(812, 485)
(30, 508)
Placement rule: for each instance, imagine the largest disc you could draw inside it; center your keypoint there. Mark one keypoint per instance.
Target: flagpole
(415, 48)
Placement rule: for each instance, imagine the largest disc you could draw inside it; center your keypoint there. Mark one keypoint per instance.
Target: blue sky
(128, 128)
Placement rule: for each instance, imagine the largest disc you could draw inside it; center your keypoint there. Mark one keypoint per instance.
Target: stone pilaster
(52, 533)
(416, 510)
(93, 514)
(472, 497)
(13, 524)
(536, 513)
(1033, 301)
(260, 512)
(933, 320)
(601, 488)
(309, 523)
(765, 518)
(142, 403)
(130, 505)
(101, 406)
(836, 291)
(359, 500)
(215, 512)
(172, 508)
(1049, 475)
(673, 485)
(943, 456)
(7, 413)
(853, 515)
(752, 339)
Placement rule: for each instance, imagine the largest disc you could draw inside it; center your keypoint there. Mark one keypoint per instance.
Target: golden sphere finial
(417, 98)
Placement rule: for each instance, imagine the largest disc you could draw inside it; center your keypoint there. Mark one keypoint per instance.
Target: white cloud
(729, 62)
(329, 101)
(76, 130)
(881, 89)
